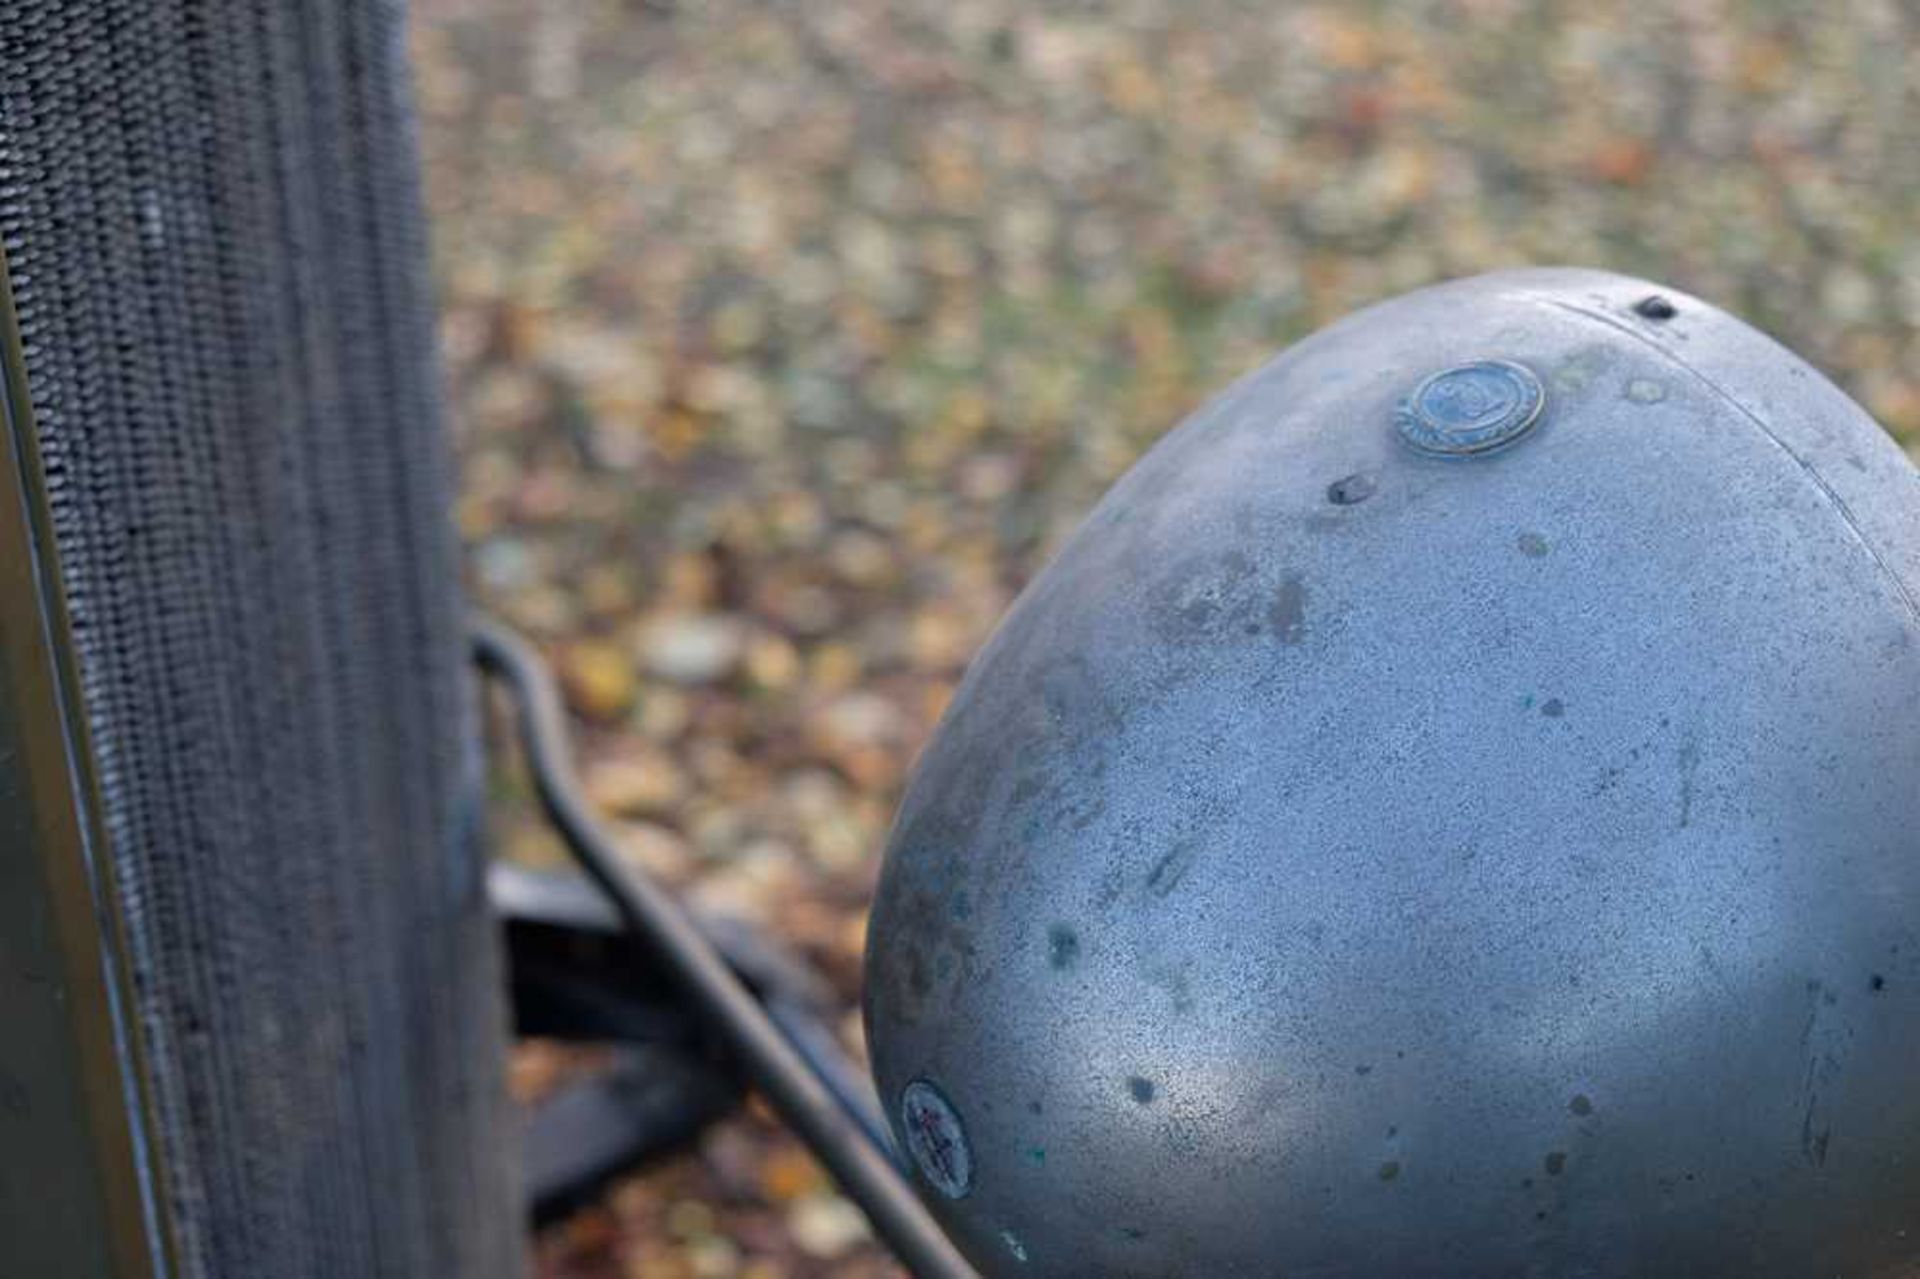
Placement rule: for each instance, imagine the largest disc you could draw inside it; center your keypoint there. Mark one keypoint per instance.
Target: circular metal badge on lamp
(1472, 408)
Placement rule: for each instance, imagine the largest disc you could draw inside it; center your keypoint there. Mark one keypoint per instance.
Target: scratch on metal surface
(1812, 472)
(1689, 777)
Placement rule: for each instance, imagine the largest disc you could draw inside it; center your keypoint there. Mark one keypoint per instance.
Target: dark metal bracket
(575, 974)
(721, 1005)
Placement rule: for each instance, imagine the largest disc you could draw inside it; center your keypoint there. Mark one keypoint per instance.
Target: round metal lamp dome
(1453, 809)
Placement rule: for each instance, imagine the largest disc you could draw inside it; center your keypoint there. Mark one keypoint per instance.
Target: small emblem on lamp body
(935, 1139)
(1471, 408)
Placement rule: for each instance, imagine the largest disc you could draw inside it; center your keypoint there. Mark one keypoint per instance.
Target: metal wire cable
(769, 1057)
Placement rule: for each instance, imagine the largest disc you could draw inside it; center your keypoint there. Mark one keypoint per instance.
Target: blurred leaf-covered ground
(785, 339)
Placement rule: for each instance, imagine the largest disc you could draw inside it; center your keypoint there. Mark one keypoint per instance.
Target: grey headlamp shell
(1453, 809)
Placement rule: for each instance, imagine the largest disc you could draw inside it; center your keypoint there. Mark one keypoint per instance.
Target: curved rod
(769, 1057)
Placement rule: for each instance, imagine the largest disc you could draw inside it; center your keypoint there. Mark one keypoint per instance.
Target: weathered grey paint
(1346, 860)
